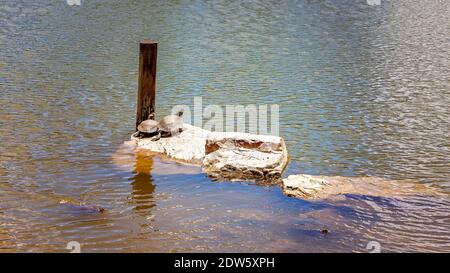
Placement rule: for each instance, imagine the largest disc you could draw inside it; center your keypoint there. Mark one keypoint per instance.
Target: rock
(82, 206)
(322, 187)
(304, 186)
(241, 156)
(232, 156)
(187, 147)
(324, 231)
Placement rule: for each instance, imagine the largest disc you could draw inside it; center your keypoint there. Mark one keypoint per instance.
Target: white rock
(323, 187)
(188, 146)
(241, 156)
(304, 186)
(232, 156)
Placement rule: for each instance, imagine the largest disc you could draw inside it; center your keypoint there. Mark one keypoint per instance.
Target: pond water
(362, 90)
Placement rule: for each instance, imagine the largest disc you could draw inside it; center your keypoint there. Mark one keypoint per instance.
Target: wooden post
(147, 80)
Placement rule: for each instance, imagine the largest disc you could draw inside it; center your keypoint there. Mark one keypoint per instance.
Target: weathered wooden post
(147, 80)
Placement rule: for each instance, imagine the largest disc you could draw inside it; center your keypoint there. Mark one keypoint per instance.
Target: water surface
(363, 90)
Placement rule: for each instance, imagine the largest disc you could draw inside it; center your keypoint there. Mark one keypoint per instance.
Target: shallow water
(363, 90)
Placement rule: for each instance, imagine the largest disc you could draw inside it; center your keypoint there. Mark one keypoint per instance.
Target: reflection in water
(143, 188)
(363, 90)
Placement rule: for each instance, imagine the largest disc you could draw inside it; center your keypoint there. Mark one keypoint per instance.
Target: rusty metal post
(147, 80)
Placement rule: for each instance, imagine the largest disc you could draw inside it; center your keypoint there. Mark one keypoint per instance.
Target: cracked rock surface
(241, 156)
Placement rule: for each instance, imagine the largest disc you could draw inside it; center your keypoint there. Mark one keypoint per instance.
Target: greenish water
(362, 90)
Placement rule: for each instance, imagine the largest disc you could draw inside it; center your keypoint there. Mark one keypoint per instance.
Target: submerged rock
(83, 206)
(324, 231)
(130, 159)
(241, 156)
(322, 187)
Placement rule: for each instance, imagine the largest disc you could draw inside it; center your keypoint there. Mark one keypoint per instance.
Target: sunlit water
(363, 90)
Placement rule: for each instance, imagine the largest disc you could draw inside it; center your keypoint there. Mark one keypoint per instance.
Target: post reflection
(142, 185)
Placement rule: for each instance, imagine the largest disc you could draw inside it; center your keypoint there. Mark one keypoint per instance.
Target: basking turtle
(147, 127)
(170, 125)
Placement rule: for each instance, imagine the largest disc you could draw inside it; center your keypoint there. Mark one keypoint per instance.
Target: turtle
(170, 125)
(147, 127)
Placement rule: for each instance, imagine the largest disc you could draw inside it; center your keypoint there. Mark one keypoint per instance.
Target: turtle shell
(171, 123)
(148, 126)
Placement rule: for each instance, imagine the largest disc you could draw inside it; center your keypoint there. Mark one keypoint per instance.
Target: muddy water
(363, 90)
